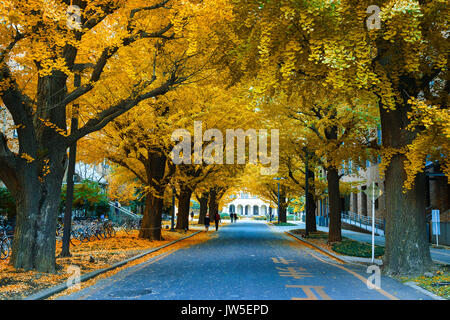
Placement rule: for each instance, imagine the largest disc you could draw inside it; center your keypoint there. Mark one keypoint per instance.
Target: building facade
(359, 202)
(245, 204)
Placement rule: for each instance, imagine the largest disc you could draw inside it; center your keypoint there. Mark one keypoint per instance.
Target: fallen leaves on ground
(432, 283)
(96, 254)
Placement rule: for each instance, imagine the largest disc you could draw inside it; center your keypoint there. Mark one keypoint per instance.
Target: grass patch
(260, 218)
(283, 224)
(354, 248)
(312, 235)
(347, 247)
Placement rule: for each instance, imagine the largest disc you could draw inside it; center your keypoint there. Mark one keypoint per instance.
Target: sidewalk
(438, 255)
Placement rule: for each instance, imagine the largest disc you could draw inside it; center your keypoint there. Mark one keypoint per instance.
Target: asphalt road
(245, 261)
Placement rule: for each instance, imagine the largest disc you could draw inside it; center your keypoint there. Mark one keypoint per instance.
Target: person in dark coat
(206, 221)
(217, 220)
(231, 217)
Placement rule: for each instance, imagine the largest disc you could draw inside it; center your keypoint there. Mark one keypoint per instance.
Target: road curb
(343, 259)
(411, 284)
(326, 252)
(422, 290)
(63, 286)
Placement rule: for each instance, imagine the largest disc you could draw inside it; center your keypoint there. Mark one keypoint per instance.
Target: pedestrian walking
(217, 220)
(192, 215)
(235, 217)
(206, 221)
(117, 206)
(231, 217)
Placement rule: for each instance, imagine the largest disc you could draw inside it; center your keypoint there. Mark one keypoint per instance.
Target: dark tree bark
(283, 214)
(213, 203)
(310, 204)
(406, 249)
(334, 233)
(37, 203)
(36, 183)
(203, 207)
(184, 203)
(151, 221)
(155, 171)
(311, 210)
(283, 208)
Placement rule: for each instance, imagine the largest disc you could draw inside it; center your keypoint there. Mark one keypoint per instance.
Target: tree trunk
(283, 209)
(334, 233)
(37, 203)
(151, 221)
(406, 250)
(311, 210)
(283, 214)
(184, 203)
(213, 204)
(203, 207)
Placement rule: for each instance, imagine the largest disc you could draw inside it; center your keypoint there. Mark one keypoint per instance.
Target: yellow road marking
(296, 273)
(309, 294)
(383, 292)
(364, 280)
(281, 260)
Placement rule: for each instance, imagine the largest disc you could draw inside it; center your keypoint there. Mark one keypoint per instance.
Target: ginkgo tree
(141, 142)
(333, 129)
(41, 54)
(138, 144)
(405, 56)
(216, 111)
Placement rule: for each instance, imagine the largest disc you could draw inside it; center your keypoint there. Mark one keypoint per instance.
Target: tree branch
(106, 54)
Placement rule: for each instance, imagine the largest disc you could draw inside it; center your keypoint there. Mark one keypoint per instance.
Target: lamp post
(173, 210)
(306, 189)
(65, 250)
(278, 204)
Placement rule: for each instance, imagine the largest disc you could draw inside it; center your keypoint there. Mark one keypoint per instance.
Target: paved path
(244, 261)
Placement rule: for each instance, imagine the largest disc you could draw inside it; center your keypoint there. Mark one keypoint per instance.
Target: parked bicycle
(5, 242)
(84, 231)
(130, 225)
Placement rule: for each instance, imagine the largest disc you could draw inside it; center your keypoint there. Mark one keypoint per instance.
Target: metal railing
(121, 215)
(363, 221)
